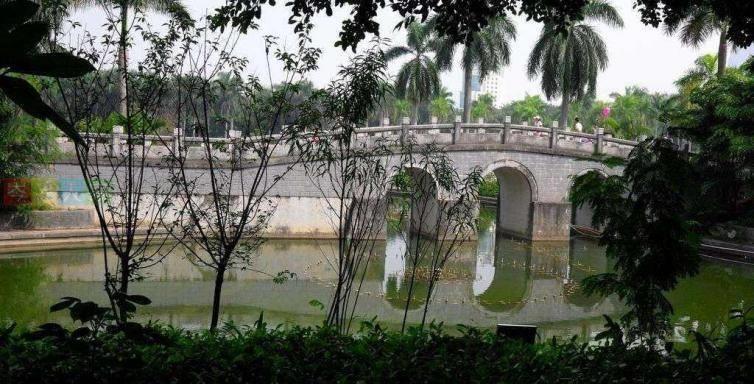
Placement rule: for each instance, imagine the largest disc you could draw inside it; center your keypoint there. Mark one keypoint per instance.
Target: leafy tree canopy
(459, 18)
(654, 214)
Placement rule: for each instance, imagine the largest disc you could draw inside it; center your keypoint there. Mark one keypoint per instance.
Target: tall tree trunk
(467, 95)
(122, 61)
(219, 279)
(416, 114)
(123, 289)
(564, 107)
(722, 51)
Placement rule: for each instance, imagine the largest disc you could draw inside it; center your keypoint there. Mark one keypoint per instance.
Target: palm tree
(482, 106)
(699, 24)
(441, 108)
(528, 107)
(400, 108)
(173, 8)
(568, 61)
(441, 105)
(487, 51)
(419, 78)
(631, 113)
(445, 94)
(702, 71)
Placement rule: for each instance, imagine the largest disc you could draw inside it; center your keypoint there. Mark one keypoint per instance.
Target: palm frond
(698, 27)
(395, 52)
(603, 11)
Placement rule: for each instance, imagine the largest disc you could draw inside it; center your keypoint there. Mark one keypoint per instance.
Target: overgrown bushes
(259, 354)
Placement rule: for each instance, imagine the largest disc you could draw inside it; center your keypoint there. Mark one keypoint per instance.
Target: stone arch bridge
(534, 167)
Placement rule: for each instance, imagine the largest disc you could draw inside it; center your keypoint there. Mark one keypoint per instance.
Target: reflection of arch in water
(511, 282)
(395, 282)
(581, 217)
(395, 262)
(518, 192)
(484, 272)
(586, 259)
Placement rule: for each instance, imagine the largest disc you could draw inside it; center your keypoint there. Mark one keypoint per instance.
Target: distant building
(492, 84)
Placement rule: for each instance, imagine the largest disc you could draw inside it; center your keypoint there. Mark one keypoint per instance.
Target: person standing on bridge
(577, 125)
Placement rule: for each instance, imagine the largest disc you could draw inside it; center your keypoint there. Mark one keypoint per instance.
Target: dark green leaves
(65, 303)
(139, 299)
(22, 39)
(126, 302)
(16, 12)
(648, 230)
(25, 96)
(54, 64)
(19, 55)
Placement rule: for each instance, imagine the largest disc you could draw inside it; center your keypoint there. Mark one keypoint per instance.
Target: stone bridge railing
(466, 135)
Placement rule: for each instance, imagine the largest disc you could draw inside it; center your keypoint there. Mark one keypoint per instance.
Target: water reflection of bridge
(495, 280)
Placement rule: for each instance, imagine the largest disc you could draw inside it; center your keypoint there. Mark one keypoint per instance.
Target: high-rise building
(491, 84)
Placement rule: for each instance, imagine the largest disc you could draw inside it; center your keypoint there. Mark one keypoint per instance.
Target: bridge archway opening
(581, 219)
(418, 194)
(517, 192)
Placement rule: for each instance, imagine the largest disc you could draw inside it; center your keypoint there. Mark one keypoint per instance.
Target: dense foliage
(720, 122)
(654, 214)
(460, 17)
(322, 355)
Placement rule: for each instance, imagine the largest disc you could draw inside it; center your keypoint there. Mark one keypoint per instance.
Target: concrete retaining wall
(82, 218)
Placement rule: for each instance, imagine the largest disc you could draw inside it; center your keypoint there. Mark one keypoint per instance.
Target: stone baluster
(233, 137)
(554, 134)
(506, 130)
(598, 142)
(457, 129)
(115, 148)
(177, 140)
(404, 129)
(353, 140)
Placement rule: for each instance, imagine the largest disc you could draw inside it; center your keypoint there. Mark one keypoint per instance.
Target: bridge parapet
(513, 135)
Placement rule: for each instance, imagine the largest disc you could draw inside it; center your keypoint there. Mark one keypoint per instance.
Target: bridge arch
(424, 204)
(581, 218)
(517, 194)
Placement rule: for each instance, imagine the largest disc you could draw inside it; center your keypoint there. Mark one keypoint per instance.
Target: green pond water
(492, 280)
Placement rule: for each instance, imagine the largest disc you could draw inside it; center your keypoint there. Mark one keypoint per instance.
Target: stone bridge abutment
(532, 203)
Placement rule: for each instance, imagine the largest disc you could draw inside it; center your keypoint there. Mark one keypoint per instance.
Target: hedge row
(320, 355)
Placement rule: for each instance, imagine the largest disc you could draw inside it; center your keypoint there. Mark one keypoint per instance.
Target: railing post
(115, 149)
(598, 142)
(354, 137)
(507, 130)
(457, 129)
(404, 129)
(554, 135)
(233, 135)
(177, 140)
(480, 129)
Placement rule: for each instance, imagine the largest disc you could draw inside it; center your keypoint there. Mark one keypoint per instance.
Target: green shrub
(320, 355)
(489, 187)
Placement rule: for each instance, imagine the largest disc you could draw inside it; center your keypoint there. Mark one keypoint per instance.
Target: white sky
(639, 54)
